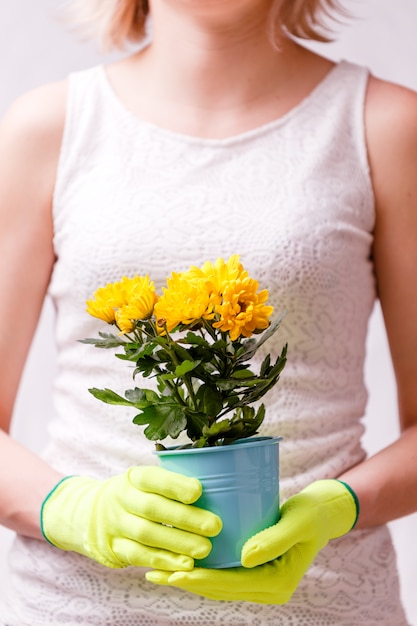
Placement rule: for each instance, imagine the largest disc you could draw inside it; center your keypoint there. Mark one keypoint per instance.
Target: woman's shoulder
(387, 98)
(391, 130)
(38, 117)
(391, 113)
(30, 141)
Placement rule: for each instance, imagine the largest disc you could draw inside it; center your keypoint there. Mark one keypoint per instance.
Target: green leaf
(181, 353)
(136, 398)
(142, 397)
(185, 367)
(217, 430)
(252, 347)
(147, 349)
(135, 352)
(109, 397)
(209, 400)
(231, 401)
(281, 361)
(244, 423)
(241, 350)
(219, 346)
(201, 353)
(195, 340)
(163, 419)
(230, 384)
(196, 422)
(265, 366)
(200, 443)
(146, 366)
(108, 340)
(241, 374)
(160, 340)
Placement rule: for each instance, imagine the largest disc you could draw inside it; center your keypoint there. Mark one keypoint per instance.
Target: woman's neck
(212, 69)
(213, 56)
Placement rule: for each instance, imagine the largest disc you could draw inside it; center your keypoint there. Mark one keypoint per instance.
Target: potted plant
(197, 340)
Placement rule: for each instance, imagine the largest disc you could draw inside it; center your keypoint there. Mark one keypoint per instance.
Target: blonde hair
(116, 22)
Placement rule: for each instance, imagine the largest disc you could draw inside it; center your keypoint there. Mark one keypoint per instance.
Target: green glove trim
(356, 500)
(43, 506)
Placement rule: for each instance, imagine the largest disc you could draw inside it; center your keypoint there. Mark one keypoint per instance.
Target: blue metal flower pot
(240, 484)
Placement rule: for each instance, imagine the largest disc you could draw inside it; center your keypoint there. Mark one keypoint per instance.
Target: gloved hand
(276, 559)
(142, 518)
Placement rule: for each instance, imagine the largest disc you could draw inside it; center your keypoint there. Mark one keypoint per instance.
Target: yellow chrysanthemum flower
(105, 302)
(184, 301)
(136, 296)
(219, 274)
(243, 309)
(141, 308)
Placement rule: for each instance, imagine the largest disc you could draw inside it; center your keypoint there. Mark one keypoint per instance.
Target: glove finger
(154, 535)
(130, 552)
(158, 577)
(210, 580)
(160, 509)
(260, 585)
(169, 484)
(273, 542)
(233, 595)
(257, 596)
(198, 584)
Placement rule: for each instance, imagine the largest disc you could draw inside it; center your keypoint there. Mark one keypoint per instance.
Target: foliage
(196, 341)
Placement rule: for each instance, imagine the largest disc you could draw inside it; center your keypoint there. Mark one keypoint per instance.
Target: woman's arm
(30, 138)
(386, 484)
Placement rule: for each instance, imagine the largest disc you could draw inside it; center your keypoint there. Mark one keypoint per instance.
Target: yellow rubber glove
(141, 518)
(276, 559)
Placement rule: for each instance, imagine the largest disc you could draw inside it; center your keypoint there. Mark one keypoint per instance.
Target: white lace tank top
(294, 199)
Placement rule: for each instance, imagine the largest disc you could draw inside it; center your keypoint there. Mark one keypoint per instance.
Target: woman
(221, 136)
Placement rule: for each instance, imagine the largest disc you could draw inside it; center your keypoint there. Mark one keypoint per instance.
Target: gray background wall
(35, 48)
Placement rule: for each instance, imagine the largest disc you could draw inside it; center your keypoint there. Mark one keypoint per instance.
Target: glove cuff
(58, 509)
(337, 504)
(46, 500)
(355, 499)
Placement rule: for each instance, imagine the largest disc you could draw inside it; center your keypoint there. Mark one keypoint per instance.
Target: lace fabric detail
(294, 199)
(346, 585)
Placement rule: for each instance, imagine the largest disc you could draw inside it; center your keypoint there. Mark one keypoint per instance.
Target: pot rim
(247, 441)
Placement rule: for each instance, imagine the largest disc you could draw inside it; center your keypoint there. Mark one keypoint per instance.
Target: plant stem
(186, 378)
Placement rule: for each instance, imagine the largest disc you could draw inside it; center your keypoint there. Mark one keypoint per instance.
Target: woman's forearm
(386, 484)
(25, 480)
